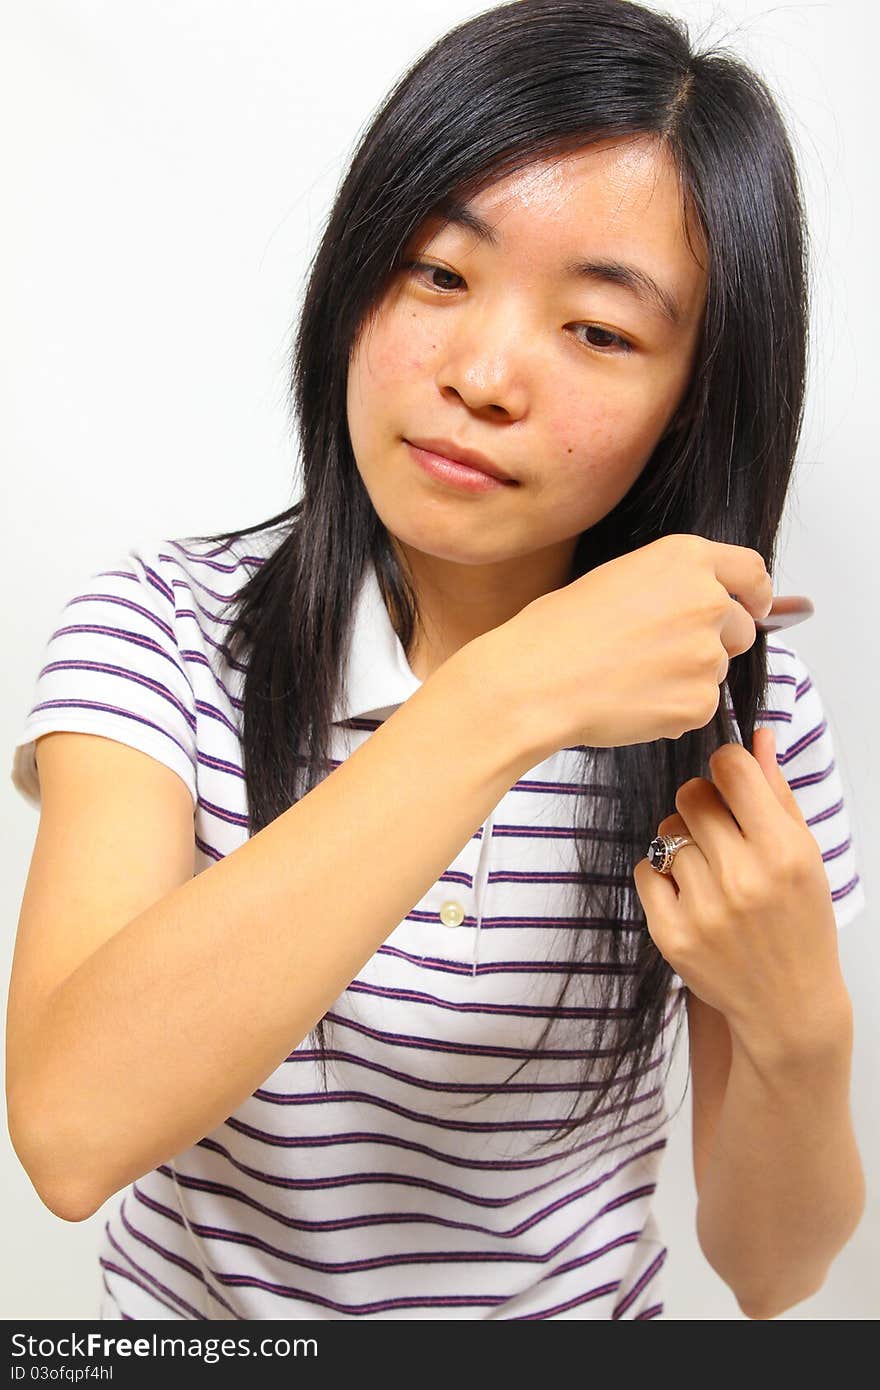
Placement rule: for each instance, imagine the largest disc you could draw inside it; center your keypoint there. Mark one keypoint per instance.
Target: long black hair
(518, 82)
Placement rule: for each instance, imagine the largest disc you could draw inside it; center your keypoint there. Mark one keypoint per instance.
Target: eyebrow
(629, 277)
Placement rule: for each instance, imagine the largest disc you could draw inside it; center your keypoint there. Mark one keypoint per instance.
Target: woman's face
(566, 381)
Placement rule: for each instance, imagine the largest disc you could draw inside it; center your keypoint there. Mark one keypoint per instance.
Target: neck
(458, 602)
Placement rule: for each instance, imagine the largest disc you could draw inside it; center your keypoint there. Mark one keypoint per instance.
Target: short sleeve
(113, 667)
(806, 753)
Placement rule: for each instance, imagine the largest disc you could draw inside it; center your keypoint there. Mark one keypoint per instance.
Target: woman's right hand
(635, 650)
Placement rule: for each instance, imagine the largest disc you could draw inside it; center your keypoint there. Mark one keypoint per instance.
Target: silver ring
(663, 849)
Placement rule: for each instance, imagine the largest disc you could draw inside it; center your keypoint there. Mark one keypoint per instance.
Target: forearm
(178, 1017)
(783, 1189)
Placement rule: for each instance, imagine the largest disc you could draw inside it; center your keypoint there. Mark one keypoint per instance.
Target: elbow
(771, 1306)
(763, 1310)
(763, 1300)
(50, 1173)
(753, 1311)
(768, 1308)
(67, 1206)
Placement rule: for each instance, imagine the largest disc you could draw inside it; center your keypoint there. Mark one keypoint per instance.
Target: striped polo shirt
(389, 1195)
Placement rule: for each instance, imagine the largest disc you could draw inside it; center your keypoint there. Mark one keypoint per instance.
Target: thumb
(764, 753)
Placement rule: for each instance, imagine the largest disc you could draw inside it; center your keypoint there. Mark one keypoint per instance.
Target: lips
(459, 454)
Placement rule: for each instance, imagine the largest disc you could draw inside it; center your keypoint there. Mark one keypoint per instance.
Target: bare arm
(177, 1018)
(782, 1187)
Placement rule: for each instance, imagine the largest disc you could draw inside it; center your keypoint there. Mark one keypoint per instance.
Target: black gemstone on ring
(658, 853)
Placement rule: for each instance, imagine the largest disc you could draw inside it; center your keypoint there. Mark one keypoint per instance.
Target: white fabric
(386, 1199)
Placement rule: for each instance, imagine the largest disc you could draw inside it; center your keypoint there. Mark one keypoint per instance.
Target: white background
(166, 169)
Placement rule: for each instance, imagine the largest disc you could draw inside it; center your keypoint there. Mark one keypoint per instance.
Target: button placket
(480, 880)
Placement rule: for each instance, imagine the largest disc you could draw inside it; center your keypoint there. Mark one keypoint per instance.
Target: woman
(396, 1050)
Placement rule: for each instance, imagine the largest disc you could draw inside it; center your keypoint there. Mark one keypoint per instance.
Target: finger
(738, 630)
(744, 575)
(746, 787)
(659, 898)
(689, 871)
(764, 753)
(710, 822)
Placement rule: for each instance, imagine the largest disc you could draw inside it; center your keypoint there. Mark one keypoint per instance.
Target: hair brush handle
(786, 610)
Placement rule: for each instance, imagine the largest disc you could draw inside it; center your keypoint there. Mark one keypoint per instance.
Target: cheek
(399, 350)
(380, 365)
(591, 439)
(597, 434)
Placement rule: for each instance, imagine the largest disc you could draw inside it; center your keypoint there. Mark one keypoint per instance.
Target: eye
(432, 270)
(608, 342)
(608, 345)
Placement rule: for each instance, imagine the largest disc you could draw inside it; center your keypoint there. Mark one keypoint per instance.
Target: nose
(485, 362)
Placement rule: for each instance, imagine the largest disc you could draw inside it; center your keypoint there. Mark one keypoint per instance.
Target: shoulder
(217, 568)
(786, 673)
(191, 566)
(794, 706)
(198, 580)
(795, 703)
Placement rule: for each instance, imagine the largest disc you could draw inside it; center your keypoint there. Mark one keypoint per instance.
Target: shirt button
(452, 914)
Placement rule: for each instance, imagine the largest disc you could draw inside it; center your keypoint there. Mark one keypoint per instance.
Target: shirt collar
(377, 673)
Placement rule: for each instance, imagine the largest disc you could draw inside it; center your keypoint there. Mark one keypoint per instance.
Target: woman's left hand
(745, 917)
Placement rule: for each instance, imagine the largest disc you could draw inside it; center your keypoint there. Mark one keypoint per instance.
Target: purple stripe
(441, 1046)
(155, 580)
(207, 850)
(114, 1268)
(506, 967)
(206, 557)
(176, 1219)
(628, 1299)
(589, 1297)
(113, 1298)
(191, 656)
(237, 569)
(577, 924)
(806, 739)
(229, 1193)
(369, 1136)
(398, 1259)
(94, 707)
(766, 716)
(630, 1238)
(168, 1255)
(484, 1009)
(152, 1286)
(828, 814)
(363, 1309)
(369, 1098)
(812, 779)
(847, 888)
(206, 618)
(553, 832)
(192, 581)
(381, 1305)
(542, 876)
(148, 614)
(654, 1311)
(125, 673)
(837, 850)
(221, 813)
(449, 1087)
(399, 1179)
